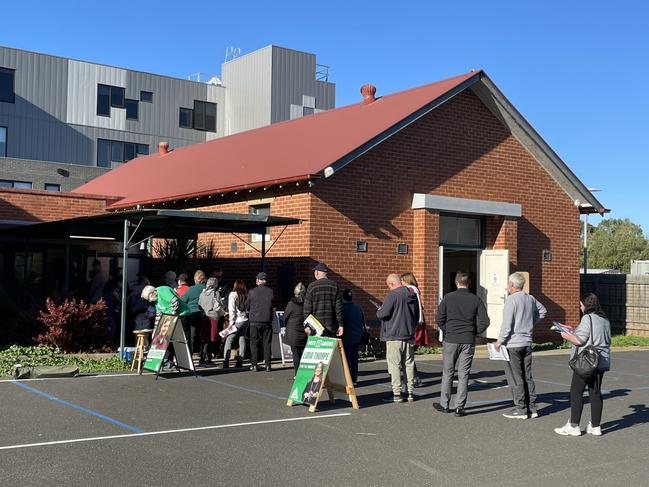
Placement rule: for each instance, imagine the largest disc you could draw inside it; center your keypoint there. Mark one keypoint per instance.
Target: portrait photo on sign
(163, 332)
(313, 388)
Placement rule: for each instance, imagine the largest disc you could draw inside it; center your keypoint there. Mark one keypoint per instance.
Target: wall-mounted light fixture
(547, 256)
(234, 247)
(361, 246)
(402, 248)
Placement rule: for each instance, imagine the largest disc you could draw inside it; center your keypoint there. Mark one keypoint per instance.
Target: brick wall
(34, 205)
(458, 150)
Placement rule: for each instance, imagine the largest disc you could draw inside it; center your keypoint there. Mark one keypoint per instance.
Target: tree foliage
(614, 243)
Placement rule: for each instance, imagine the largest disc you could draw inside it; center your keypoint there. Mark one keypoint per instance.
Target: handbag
(585, 363)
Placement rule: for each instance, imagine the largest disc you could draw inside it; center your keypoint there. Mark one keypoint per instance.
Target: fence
(625, 300)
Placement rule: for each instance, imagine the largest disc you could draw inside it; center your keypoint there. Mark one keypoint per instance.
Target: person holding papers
(323, 300)
(520, 313)
(461, 316)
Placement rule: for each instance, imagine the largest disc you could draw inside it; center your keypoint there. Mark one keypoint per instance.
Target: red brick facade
(459, 150)
(26, 205)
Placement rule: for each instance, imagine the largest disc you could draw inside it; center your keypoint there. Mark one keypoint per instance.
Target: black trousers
(297, 355)
(577, 387)
(261, 335)
(351, 353)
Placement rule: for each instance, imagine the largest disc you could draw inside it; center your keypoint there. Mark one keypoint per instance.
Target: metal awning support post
(66, 274)
(122, 329)
(263, 250)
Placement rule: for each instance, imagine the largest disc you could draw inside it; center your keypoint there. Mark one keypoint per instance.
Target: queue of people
(246, 317)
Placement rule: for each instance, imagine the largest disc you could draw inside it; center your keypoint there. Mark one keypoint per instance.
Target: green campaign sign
(311, 374)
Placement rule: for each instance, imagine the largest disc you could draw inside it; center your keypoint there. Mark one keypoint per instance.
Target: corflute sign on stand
(169, 330)
(323, 367)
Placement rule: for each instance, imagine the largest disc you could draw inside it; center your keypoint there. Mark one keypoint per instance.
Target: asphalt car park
(232, 427)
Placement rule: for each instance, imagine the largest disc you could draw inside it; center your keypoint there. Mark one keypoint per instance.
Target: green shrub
(47, 355)
(427, 351)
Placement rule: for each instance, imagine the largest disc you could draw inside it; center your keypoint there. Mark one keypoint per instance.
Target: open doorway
(455, 260)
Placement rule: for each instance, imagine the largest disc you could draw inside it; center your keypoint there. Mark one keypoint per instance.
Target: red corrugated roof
(283, 152)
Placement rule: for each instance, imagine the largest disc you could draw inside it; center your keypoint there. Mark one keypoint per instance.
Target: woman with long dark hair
(238, 311)
(593, 329)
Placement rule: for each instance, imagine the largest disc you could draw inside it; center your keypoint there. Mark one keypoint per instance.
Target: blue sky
(576, 70)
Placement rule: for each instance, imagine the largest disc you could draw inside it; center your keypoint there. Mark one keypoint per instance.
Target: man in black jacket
(461, 316)
(260, 305)
(399, 315)
(323, 300)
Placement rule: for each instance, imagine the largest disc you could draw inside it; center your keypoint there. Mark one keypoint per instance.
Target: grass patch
(46, 355)
(629, 341)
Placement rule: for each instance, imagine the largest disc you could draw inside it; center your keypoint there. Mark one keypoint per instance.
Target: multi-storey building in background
(64, 122)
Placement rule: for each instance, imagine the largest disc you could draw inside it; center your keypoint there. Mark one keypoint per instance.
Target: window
(3, 141)
(116, 151)
(52, 187)
(461, 231)
(103, 100)
(205, 116)
(103, 153)
(7, 183)
(185, 118)
(109, 151)
(117, 97)
(131, 109)
(7, 85)
(260, 210)
(307, 111)
(146, 96)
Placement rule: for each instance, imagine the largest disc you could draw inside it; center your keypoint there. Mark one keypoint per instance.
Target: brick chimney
(163, 148)
(368, 91)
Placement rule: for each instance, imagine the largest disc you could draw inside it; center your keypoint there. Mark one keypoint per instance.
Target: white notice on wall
(494, 278)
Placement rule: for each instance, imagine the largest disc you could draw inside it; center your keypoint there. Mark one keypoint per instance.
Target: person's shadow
(639, 415)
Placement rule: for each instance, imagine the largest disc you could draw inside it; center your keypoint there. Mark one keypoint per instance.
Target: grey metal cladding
(160, 118)
(294, 77)
(37, 77)
(247, 80)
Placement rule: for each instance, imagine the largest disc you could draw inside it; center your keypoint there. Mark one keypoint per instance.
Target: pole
(66, 274)
(122, 329)
(263, 250)
(585, 243)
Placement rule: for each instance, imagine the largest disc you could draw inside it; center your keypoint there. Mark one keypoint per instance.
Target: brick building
(433, 179)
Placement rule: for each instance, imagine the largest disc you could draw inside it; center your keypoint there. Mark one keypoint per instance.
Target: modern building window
(103, 153)
(103, 100)
(131, 109)
(117, 97)
(7, 85)
(109, 151)
(3, 141)
(146, 96)
(307, 111)
(52, 187)
(7, 183)
(461, 231)
(205, 116)
(260, 210)
(185, 118)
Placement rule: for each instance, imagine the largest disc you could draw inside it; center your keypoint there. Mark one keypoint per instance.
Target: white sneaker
(568, 430)
(596, 431)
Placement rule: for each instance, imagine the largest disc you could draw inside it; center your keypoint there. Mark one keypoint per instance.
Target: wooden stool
(138, 356)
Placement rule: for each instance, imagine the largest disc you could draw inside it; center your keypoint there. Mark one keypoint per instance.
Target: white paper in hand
(501, 354)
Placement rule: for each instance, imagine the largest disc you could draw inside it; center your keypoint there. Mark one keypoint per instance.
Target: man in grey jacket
(399, 315)
(521, 312)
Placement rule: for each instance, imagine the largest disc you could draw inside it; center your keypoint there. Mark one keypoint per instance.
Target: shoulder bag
(584, 364)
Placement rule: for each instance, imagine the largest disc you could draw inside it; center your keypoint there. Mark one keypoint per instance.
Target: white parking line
(166, 432)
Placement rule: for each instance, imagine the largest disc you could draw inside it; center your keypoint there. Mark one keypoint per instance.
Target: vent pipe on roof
(163, 148)
(368, 91)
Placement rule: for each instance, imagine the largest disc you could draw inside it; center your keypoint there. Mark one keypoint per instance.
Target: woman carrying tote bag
(594, 330)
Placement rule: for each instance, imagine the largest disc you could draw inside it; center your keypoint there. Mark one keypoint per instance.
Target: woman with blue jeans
(593, 329)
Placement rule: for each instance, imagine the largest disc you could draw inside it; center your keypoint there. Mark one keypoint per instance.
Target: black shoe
(239, 363)
(438, 407)
(226, 364)
(459, 412)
